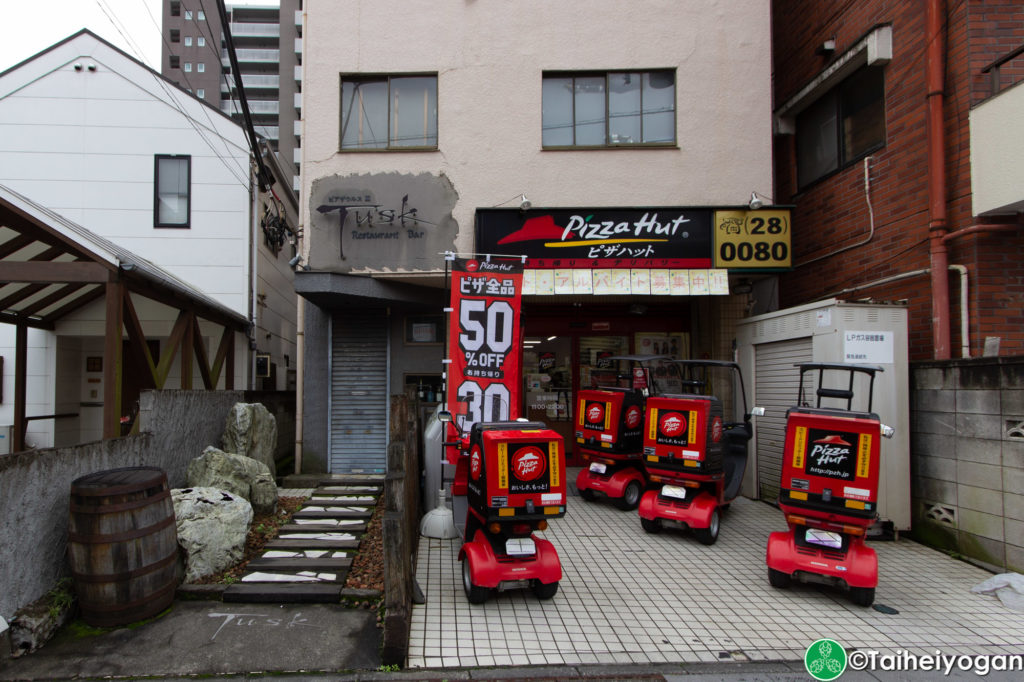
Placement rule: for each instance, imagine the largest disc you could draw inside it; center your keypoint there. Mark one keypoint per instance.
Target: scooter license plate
(824, 538)
(520, 547)
(675, 491)
(598, 467)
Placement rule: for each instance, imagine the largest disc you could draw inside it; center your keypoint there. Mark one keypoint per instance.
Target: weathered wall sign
(664, 237)
(381, 222)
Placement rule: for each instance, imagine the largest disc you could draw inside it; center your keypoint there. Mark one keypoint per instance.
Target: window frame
(386, 78)
(673, 144)
(157, 223)
(836, 95)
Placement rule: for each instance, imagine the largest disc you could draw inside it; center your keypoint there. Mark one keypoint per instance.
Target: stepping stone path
(309, 560)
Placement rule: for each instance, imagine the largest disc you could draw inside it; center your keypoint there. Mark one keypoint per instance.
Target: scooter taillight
(542, 524)
(520, 529)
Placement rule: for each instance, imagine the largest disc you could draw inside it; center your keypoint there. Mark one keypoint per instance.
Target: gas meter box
(610, 420)
(516, 470)
(833, 462)
(684, 433)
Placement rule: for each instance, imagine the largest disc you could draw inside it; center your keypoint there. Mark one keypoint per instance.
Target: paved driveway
(630, 597)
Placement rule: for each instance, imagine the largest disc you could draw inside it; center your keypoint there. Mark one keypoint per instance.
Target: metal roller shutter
(358, 431)
(775, 384)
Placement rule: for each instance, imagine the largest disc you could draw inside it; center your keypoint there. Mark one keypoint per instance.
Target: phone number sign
(752, 239)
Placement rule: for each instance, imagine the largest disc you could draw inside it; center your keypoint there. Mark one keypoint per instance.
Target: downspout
(937, 180)
(300, 360)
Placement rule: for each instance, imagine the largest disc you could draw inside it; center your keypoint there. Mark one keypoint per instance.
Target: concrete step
(334, 513)
(300, 544)
(295, 564)
(355, 526)
(283, 593)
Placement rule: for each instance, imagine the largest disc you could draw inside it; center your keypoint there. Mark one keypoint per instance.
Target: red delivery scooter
(509, 480)
(610, 435)
(696, 455)
(829, 488)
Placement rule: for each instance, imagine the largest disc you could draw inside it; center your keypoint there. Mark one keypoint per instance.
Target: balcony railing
(995, 81)
(256, 30)
(252, 55)
(258, 106)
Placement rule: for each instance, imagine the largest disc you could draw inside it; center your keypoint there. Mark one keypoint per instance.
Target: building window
(612, 109)
(188, 67)
(176, 36)
(201, 41)
(201, 93)
(175, 8)
(188, 15)
(188, 41)
(841, 127)
(201, 67)
(172, 194)
(202, 15)
(175, 61)
(389, 112)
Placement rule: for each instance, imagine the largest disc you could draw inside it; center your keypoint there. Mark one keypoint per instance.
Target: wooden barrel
(122, 545)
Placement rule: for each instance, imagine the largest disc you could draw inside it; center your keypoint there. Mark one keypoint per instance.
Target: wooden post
(112, 361)
(20, 377)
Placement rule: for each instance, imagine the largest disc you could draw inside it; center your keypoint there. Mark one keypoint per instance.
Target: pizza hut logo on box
(830, 450)
(633, 417)
(475, 463)
(595, 413)
(529, 464)
(716, 429)
(672, 424)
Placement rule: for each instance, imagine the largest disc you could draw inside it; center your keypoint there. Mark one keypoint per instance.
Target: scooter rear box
(516, 471)
(830, 462)
(610, 420)
(684, 433)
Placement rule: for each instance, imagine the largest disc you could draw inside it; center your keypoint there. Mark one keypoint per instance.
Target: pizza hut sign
(529, 464)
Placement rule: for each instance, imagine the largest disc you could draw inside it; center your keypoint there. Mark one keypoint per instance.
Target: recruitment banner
(484, 375)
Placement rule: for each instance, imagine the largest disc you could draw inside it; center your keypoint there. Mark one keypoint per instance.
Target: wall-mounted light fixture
(757, 201)
(295, 260)
(524, 203)
(826, 48)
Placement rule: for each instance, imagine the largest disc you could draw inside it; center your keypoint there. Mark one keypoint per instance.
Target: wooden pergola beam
(51, 271)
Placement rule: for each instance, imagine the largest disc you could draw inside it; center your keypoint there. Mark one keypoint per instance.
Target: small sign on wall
(871, 347)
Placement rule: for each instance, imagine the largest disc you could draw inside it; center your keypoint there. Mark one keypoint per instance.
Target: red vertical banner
(484, 376)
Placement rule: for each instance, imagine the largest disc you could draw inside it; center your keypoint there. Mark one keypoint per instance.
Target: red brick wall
(833, 213)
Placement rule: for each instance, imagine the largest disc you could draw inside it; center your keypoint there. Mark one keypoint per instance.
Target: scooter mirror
(444, 416)
(757, 412)
(888, 431)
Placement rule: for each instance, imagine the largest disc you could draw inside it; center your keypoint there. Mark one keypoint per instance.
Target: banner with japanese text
(484, 375)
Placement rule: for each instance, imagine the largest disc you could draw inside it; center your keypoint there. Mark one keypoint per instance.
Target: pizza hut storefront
(601, 282)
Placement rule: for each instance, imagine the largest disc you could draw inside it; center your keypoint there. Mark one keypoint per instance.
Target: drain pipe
(871, 220)
(300, 362)
(936, 44)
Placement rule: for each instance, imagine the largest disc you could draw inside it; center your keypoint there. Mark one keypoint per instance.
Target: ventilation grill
(942, 514)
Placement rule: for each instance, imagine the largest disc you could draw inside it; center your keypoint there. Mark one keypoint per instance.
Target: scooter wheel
(630, 497)
(862, 596)
(543, 590)
(707, 536)
(474, 593)
(651, 525)
(588, 494)
(778, 578)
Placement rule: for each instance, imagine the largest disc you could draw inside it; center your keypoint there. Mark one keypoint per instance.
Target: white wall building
(425, 125)
(102, 140)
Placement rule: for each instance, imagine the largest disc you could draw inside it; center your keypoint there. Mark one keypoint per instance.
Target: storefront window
(595, 367)
(547, 367)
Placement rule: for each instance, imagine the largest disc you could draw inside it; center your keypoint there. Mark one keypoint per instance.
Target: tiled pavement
(627, 597)
(311, 556)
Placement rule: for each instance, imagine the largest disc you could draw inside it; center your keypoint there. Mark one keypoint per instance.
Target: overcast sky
(28, 27)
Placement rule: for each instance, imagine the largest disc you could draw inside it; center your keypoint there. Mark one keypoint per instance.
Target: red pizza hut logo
(475, 463)
(716, 429)
(472, 266)
(830, 450)
(633, 417)
(529, 464)
(595, 413)
(672, 424)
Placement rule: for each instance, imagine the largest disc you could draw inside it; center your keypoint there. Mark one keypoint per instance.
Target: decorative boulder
(237, 474)
(251, 431)
(212, 528)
